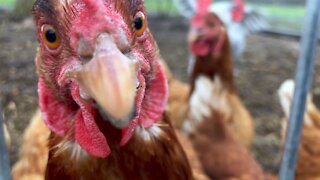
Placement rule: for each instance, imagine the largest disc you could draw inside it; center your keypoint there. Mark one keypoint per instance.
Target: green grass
(7, 2)
(283, 11)
(162, 7)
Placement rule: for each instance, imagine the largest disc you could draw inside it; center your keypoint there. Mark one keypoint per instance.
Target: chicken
(239, 18)
(193, 157)
(178, 97)
(208, 41)
(100, 79)
(33, 152)
(222, 155)
(309, 150)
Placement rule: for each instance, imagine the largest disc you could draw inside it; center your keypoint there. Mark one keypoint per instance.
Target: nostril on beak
(85, 50)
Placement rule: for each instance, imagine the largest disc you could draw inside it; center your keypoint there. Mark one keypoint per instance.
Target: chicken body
(309, 150)
(150, 160)
(178, 106)
(221, 154)
(33, 155)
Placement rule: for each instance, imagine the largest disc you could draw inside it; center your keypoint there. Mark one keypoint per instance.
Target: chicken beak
(193, 35)
(109, 78)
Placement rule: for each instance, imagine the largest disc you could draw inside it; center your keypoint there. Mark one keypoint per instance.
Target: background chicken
(239, 18)
(309, 151)
(221, 154)
(209, 43)
(140, 138)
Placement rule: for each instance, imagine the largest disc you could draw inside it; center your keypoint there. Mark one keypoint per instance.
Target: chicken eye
(139, 23)
(50, 37)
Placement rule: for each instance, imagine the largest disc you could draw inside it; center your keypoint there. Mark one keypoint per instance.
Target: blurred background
(269, 59)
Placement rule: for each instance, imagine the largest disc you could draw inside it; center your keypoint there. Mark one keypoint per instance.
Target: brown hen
(99, 80)
(217, 61)
(308, 164)
(220, 152)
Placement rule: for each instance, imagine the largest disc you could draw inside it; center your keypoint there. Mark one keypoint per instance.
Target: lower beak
(109, 78)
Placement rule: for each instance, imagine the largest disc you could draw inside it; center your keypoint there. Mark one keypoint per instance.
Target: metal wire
(4, 156)
(303, 81)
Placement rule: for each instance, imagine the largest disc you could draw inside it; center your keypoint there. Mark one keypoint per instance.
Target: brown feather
(33, 152)
(308, 163)
(221, 154)
(160, 158)
(211, 66)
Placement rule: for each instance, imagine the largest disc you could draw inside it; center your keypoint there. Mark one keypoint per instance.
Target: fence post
(303, 81)
(4, 156)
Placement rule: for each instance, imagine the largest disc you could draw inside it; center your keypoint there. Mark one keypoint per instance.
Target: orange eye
(140, 24)
(50, 37)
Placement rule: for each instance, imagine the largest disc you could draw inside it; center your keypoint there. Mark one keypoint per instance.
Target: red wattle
(200, 48)
(87, 133)
(68, 119)
(152, 107)
(155, 99)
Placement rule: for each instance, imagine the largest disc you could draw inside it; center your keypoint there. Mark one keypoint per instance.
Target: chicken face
(97, 60)
(206, 35)
(207, 31)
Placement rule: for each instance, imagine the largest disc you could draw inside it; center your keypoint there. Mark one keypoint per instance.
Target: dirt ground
(267, 62)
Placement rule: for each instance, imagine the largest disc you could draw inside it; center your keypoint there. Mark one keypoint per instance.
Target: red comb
(238, 10)
(203, 5)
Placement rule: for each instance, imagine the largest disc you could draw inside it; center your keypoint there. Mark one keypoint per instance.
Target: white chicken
(239, 19)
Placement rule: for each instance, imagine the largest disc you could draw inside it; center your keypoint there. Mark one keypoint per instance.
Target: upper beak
(109, 78)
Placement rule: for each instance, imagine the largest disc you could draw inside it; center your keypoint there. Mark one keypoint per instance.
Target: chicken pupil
(138, 23)
(51, 36)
